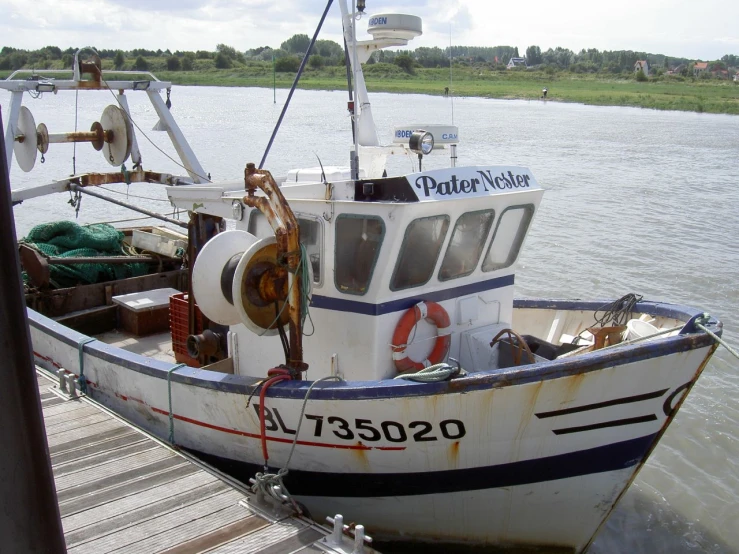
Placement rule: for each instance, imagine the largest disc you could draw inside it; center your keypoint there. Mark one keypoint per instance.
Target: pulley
(113, 134)
(239, 279)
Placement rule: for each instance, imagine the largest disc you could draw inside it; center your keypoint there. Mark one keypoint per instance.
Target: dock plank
(110, 522)
(186, 530)
(208, 541)
(121, 492)
(268, 536)
(153, 534)
(109, 494)
(141, 499)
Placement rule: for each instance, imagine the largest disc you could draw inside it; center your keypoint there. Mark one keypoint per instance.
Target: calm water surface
(637, 201)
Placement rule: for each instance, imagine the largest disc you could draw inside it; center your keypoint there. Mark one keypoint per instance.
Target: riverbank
(661, 93)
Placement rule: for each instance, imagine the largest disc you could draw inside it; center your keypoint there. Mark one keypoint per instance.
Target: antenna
(323, 173)
(451, 89)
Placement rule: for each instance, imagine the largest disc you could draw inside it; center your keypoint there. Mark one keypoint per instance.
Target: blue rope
(169, 394)
(80, 347)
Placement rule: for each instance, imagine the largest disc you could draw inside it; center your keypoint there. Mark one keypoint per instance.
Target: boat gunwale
(393, 388)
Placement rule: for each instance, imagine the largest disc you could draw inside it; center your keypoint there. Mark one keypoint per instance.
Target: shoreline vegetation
(659, 90)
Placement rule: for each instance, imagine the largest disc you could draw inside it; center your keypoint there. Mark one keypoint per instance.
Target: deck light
(360, 6)
(45, 87)
(421, 142)
(141, 85)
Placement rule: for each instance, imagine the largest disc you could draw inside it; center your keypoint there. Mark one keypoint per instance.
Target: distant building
(736, 78)
(516, 62)
(641, 65)
(700, 68)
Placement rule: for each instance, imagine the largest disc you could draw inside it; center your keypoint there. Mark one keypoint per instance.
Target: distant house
(678, 69)
(700, 68)
(720, 73)
(641, 65)
(516, 62)
(736, 78)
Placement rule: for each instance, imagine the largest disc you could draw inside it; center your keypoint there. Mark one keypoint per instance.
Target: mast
(365, 133)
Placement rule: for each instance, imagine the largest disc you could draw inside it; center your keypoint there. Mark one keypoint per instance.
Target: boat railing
(70, 71)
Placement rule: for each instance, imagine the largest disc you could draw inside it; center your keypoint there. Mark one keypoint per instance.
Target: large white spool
(25, 149)
(256, 318)
(117, 150)
(208, 270)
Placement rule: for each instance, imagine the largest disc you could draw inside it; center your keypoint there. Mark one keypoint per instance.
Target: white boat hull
(516, 456)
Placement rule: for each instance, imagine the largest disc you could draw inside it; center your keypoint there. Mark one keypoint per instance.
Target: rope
(169, 396)
(435, 373)
(306, 287)
(146, 136)
(271, 484)
(516, 349)
(126, 174)
(127, 195)
(80, 347)
(704, 319)
(277, 375)
(617, 313)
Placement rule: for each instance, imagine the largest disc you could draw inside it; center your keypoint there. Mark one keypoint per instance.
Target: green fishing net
(66, 239)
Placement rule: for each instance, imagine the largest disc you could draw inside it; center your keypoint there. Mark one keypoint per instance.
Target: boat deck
(119, 490)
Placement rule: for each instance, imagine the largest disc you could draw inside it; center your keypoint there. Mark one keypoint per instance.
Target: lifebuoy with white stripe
(436, 315)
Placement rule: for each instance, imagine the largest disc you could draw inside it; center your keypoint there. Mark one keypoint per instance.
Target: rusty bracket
(287, 233)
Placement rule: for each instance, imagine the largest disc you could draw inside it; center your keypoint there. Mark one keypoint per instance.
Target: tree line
(289, 55)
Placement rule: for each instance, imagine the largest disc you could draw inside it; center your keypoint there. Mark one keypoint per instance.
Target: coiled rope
(435, 373)
(271, 484)
(618, 312)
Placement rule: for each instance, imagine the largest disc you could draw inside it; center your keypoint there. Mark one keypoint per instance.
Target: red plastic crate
(180, 328)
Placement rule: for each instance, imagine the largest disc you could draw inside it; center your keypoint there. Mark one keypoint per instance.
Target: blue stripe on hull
(612, 457)
(368, 308)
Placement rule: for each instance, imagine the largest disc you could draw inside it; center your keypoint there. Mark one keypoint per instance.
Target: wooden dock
(119, 490)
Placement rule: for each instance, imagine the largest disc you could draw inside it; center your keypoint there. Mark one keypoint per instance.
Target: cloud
(161, 5)
(661, 27)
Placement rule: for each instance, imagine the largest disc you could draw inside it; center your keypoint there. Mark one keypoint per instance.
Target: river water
(637, 201)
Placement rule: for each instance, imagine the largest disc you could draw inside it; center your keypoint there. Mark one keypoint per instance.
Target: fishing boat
(349, 340)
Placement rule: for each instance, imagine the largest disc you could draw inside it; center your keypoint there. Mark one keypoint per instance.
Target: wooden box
(144, 313)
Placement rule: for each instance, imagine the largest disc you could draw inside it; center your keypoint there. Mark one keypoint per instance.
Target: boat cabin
(379, 247)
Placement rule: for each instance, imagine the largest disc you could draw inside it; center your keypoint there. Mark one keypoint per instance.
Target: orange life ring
(423, 310)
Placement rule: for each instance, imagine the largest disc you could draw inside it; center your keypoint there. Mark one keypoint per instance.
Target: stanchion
(29, 513)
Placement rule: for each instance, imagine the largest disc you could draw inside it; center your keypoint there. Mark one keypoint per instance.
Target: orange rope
(276, 375)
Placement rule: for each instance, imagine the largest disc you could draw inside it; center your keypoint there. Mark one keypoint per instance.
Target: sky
(703, 30)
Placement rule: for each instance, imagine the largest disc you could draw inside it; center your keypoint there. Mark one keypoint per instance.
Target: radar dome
(394, 26)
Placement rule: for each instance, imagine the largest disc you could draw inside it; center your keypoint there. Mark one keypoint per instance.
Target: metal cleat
(339, 539)
(72, 384)
(359, 539)
(338, 530)
(62, 374)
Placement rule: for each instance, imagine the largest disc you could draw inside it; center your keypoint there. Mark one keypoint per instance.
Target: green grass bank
(661, 93)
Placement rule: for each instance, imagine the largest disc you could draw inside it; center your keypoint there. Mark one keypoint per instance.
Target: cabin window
(259, 226)
(508, 237)
(465, 246)
(310, 237)
(420, 251)
(358, 242)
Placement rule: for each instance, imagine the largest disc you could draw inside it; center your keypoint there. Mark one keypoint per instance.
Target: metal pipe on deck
(85, 190)
(29, 512)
